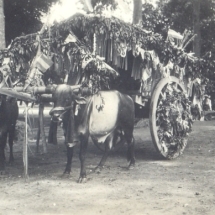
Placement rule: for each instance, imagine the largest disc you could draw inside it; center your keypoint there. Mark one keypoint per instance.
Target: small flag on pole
(43, 62)
(70, 39)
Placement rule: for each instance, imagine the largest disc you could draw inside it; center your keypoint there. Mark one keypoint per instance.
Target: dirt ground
(182, 186)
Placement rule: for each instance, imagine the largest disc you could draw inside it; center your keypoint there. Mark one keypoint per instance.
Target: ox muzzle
(57, 113)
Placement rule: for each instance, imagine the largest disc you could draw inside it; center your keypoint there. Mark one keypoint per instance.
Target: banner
(43, 62)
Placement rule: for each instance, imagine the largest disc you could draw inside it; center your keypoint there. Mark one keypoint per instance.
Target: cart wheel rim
(168, 139)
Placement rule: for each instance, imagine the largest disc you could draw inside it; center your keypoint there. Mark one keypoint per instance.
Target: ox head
(64, 98)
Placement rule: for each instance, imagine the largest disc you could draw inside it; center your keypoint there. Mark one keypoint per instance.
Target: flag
(70, 39)
(43, 62)
(174, 34)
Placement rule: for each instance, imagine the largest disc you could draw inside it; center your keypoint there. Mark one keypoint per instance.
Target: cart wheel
(169, 118)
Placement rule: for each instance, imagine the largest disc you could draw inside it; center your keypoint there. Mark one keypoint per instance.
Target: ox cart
(153, 69)
(104, 53)
(170, 120)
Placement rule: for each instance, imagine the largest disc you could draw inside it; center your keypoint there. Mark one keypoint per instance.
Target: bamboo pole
(38, 137)
(25, 144)
(41, 126)
(41, 130)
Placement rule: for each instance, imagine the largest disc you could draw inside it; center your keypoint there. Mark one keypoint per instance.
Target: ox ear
(80, 100)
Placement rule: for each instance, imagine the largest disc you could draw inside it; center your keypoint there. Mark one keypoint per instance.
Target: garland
(121, 35)
(174, 121)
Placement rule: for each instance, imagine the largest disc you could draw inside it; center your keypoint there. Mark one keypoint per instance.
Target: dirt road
(182, 186)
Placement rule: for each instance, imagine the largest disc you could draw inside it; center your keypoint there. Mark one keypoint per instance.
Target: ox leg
(52, 138)
(11, 137)
(69, 160)
(130, 151)
(108, 146)
(104, 157)
(82, 156)
(3, 140)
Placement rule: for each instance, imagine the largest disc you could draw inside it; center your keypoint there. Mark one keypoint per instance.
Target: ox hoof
(131, 166)
(82, 180)
(98, 169)
(3, 173)
(65, 175)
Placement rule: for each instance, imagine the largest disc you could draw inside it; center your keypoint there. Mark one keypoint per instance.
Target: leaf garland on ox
(174, 120)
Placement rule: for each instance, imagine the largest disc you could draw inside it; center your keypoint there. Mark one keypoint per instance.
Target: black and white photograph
(107, 107)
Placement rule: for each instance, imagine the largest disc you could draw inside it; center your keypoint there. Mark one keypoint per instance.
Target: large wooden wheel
(169, 117)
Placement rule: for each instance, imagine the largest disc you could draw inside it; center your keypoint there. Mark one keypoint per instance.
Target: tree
(103, 2)
(194, 15)
(137, 11)
(196, 28)
(23, 16)
(154, 20)
(87, 5)
(2, 25)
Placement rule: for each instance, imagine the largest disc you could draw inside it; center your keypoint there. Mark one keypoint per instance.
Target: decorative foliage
(174, 120)
(131, 35)
(73, 41)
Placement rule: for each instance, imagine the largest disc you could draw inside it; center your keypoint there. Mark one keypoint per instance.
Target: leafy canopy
(23, 16)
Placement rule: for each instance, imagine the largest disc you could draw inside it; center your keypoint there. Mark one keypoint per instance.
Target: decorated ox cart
(154, 69)
(101, 53)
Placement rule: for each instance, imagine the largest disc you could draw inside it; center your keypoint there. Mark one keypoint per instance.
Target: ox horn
(74, 87)
(38, 90)
(50, 89)
(44, 90)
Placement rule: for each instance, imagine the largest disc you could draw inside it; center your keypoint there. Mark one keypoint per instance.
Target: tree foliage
(104, 2)
(23, 16)
(180, 14)
(154, 20)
